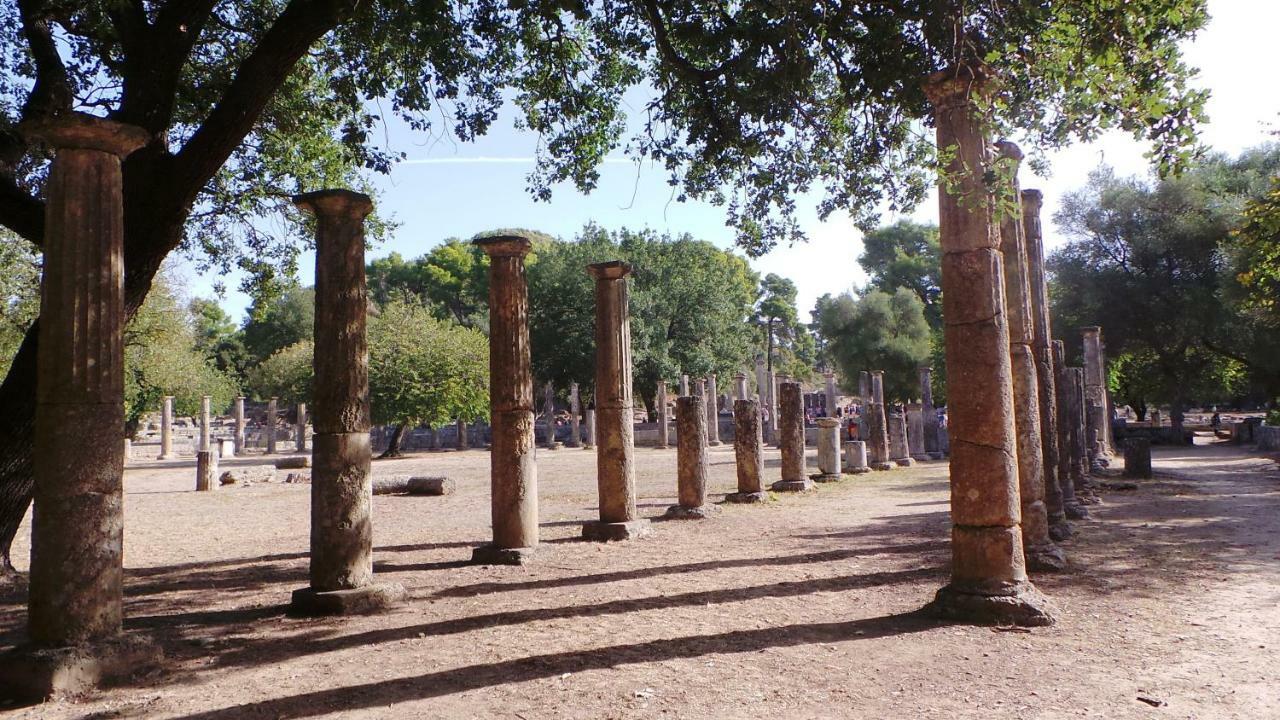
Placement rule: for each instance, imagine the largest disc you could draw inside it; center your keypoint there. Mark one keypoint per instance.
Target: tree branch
(51, 93)
(20, 212)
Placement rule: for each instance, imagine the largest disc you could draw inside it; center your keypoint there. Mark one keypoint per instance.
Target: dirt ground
(799, 609)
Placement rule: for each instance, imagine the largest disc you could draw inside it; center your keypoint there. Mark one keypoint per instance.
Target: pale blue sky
(454, 189)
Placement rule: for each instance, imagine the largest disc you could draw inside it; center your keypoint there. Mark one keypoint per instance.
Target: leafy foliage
(785, 342)
(877, 331)
(907, 255)
(279, 321)
(453, 279)
(19, 293)
(287, 374)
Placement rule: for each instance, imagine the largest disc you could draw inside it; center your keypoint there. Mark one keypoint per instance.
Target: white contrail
(486, 159)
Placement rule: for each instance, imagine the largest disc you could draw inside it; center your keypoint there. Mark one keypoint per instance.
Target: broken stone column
(76, 579)
(830, 397)
(664, 417)
(237, 437)
(166, 427)
(684, 385)
(878, 425)
(591, 427)
(270, 429)
(615, 469)
(1095, 389)
(300, 440)
(929, 414)
(341, 484)
(899, 449)
(464, 438)
(1046, 376)
(575, 414)
(1042, 555)
(713, 412)
(915, 432)
(748, 450)
(828, 449)
(206, 424)
(1137, 458)
(855, 458)
(740, 387)
(513, 467)
(988, 573)
(691, 460)
(549, 412)
(1071, 506)
(795, 478)
(206, 470)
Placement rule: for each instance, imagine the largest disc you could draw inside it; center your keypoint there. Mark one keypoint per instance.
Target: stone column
(76, 580)
(988, 574)
(166, 427)
(270, 429)
(206, 424)
(740, 388)
(1046, 379)
(1080, 432)
(1137, 458)
(435, 439)
(748, 450)
(899, 448)
(830, 378)
(664, 417)
(341, 484)
(713, 412)
(828, 449)
(877, 386)
(762, 383)
(575, 417)
(549, 413)
(206, 470)
(795, 478)
(238, 414)
(915, 432)
(929, 414)
(300, 441)
(615, 469)
(591, 427)
(691, 460)
(864, 398)
(771, 426)
(684, 385)
(1066, 438)
(513, 467)
(464, 440)
(1095, 389)
(855, 458)
(1042, 555)
(877, 425)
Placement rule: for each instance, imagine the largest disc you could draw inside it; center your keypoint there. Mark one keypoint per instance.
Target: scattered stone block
(248, 475)
(296, 478)
(293, 462)
(393, 485)
(431, 486)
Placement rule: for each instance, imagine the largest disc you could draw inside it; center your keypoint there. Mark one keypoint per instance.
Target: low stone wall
(1268, 437)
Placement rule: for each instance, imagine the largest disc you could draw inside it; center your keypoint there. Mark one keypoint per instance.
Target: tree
(876, 331)
(287, 374)
(218, 338)
(278, 321)
(776, 314)
(754, 103)
(906, 254)
(453, 278)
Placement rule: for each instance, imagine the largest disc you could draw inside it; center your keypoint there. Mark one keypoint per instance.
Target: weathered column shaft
(166, 427)
(614, 415)
(771, 425)
(664, 416)
(830, 397)
(762, 383)
(591, 427)
(1080, 429)
(1095, 388)
(791, 439)
(748, 448)
(206, 426)
(864, 397)
(877, 386)
(575, 417)
(899, 447)
(464, 436)
(549, 414)
(691, 451)
(915, 432)
(1065, 417)
(828, 449)
(740, 387)
(855, 457)
(270, 429)
(986, 539)
(206, 470)
(238, 437)
(684, 385)
(928, 413)
(713, 411)
(300, 440)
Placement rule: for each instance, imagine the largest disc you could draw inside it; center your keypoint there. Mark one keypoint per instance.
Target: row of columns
(239, 425)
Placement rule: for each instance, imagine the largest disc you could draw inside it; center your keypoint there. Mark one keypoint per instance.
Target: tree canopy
(907, 255)
(876, 331)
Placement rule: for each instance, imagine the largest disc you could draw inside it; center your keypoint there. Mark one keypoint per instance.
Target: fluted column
(513, 467)
(549, 414)
(1067, 436)
(341, 475)
(1097, 415)
(988, 573)
(929, 414)
(615, 468)
(748, 449)
(713, 412)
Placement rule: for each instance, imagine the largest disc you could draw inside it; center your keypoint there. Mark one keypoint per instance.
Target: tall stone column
(166, 427)
(664, 417)
(238, 414)
(830, 409)
(270, 430)
(691, 461)
(615, 468)
(771, 424)
(877, 425)
(1042, 555)
(762, 383)
(464, 438)
(1046, 377)
(300, 439)
(513, 466)
(1071, 506)
(713, 412)
(915, 432)
(591, 427)
(929, 414)
(795, 478)
(748, 450)
(1080, 432)
(549, 412)
(877, 386)
(76, 581)
(828, 450)
(988, 574)
(899, 448)
(1095, 391)
(865, 399)
(206, 470)
(206, 424)
(341, 476)
(740, 387)
(684, 385)
(575, 415)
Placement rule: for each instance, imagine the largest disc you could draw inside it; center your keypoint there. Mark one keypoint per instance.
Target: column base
(920, 457)
(1060, 530)
(881, 466)
(904, 462)
(1076, 512)
(743, 498)
(713, 443)
(856, 471)
(936, 456)
(1045, 558)
(354, 601)
(826, 477)
(601, 531)
(792, 485)
(680, 512)
(494, 555)
(36, 674)
(1022, 605)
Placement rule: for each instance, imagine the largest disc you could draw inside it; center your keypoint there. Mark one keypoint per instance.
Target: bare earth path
(800, 609)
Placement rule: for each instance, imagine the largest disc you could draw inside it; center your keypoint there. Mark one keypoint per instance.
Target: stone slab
(680, 512)
(293, 462)
(599, 531)
(355, 601)
(792, 486)
(431, 486)
(743, 498)
(826, 477)
(492, 555)
(904, 462)
(36, 674)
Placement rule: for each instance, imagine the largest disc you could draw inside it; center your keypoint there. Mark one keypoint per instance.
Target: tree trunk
(393, 445)
(17, 434)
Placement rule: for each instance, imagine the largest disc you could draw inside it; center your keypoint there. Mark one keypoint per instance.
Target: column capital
(78, 131)
(334, 203)
(1032, 200)
(504, 245)
(959, 84)
(1009, 150)
(1090, 330)
(611, 270)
